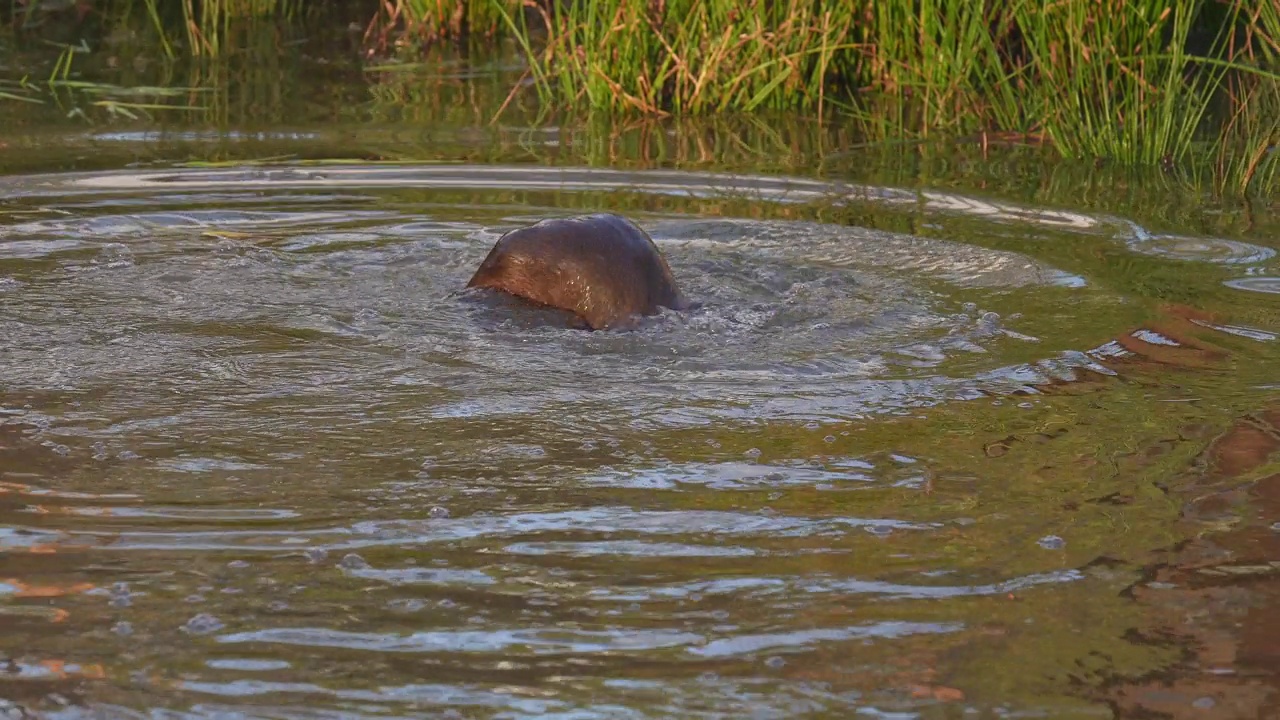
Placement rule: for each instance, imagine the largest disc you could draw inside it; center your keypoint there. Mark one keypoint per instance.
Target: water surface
(260, 456)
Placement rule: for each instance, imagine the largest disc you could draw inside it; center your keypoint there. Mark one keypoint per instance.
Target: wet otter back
(603, 268)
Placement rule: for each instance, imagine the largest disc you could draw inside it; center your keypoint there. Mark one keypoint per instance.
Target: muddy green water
(936, 448)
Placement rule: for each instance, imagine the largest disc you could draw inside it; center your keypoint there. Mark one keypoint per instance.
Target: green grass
(1139, 83)
(1115, 80)
(413, 23)
(687, 56)
(209, 25)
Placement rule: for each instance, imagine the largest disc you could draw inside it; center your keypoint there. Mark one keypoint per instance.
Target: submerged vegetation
(1173, 83)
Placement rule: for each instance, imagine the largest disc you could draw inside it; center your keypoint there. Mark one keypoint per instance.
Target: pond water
(922, 451)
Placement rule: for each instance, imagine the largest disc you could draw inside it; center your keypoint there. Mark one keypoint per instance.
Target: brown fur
(603, 268)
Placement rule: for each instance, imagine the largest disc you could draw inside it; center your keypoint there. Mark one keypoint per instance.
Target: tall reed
(937, 61)
(423, 21)
(1115, 79)
(203, 26)
(1131, 81)
(688, 56)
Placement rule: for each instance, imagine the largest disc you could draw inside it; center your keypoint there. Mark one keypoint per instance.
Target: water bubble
(438, 512)
(100, 450)
(775, 662)
(238, 564)
(352, 561)
(122, 628)
(1051, 542)
(194, 599)
(128, 455)
(752, 453)
(879, 530)
(114, 255)
(277, 606)
(829, 439)
(202, 624)
(315, 555)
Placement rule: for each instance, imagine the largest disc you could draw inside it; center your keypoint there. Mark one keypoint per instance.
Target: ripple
(1270, 285)
(151, 136)
(798, 321)
(536, 641)
(762, 587)
(131, 225)
(34, 491)
(776, 189)
(227, 515)
(599, 520)
(1239, 331)
(1201, 249)
(625, 548)
(805, 639)
(422, 576)
(247, 664)
(522, 641)
(506, 699)
(268, 400)
(725, 476)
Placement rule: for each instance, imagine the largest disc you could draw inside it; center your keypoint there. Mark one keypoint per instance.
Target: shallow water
(262, 457)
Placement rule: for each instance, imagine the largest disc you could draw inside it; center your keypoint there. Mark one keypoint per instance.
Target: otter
(602, 268)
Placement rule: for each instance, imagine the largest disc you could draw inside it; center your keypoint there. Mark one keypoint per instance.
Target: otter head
(602, 268)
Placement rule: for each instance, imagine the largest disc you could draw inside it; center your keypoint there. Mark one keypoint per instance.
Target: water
(261, 456)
